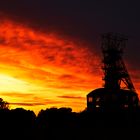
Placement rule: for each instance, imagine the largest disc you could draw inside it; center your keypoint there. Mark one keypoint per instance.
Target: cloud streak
(51, 69)
(71, 97)
(27, 104)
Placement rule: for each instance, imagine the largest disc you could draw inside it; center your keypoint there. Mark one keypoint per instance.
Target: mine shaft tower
(113, 95)
(114, 69)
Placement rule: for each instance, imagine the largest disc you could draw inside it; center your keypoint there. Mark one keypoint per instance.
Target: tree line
(63, 123)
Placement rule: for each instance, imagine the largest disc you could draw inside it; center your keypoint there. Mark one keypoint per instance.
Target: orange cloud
(27, 104)
(40, 70)
(45, 66)
(71, 97)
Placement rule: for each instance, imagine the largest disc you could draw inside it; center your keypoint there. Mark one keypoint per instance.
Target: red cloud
(53, 66)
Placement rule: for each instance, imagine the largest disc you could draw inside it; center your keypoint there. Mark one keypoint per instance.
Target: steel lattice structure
(114, 69)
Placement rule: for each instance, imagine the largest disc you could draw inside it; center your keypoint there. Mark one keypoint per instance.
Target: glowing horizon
(40, 70)
(43, 70)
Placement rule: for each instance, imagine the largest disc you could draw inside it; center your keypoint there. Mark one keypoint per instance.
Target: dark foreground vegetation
(62, 123)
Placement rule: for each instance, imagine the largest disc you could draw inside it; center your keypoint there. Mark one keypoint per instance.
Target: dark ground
(62, 123)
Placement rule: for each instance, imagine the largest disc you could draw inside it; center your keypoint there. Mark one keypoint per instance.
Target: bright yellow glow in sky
(10, 84)
(40, 70)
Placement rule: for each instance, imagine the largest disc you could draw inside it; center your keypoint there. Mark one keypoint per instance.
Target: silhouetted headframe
(113, 95)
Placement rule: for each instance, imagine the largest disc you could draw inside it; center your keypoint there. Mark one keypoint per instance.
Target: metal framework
(114, 69)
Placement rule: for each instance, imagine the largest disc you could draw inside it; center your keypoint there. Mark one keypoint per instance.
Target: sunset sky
(50, 53)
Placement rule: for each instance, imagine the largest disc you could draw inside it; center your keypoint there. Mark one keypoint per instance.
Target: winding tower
(113, 95)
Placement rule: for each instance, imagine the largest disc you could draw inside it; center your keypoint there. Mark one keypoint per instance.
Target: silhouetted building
(113, 95)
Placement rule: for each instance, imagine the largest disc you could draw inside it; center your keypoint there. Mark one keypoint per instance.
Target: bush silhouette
(56, 123)
(3, 104)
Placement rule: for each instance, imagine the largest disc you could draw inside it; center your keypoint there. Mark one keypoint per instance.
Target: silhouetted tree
(3, 104)
(56, 121)
(22, 122)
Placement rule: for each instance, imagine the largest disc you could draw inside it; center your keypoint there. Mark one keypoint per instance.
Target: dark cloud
(67, 76)
(71, 97)
(81, 19)
(31, 101)
(27, 104)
